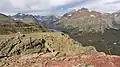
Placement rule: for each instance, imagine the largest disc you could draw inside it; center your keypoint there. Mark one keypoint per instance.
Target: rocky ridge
(40, 42)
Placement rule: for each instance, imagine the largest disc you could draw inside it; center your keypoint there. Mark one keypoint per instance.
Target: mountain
(25, 18)
(5, 19)
(100, 30)
(86, 21)
(116, 20)
(44, 20)
(9, 25)
(47, 20)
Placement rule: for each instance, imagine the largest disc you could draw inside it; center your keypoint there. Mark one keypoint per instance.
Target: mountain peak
(87, 21)
(83, 10)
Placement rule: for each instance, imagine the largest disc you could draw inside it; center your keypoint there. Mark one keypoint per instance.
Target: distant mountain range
(80, 20)
(44, 20)
(25, 18)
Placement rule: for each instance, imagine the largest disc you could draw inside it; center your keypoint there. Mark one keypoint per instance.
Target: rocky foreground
(50, 50)
(53, 60)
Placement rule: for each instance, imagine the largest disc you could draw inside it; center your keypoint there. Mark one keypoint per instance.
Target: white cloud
(33, 4)
(17, 3)
(101, 5)
(45, 6)
(60, 2)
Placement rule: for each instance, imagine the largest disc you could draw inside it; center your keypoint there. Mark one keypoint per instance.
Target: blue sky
(45, 7)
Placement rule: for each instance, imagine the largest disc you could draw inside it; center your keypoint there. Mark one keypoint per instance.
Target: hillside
(9, 26)
(5, 19)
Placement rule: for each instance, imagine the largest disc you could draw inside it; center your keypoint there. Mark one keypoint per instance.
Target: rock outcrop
(40, 42)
